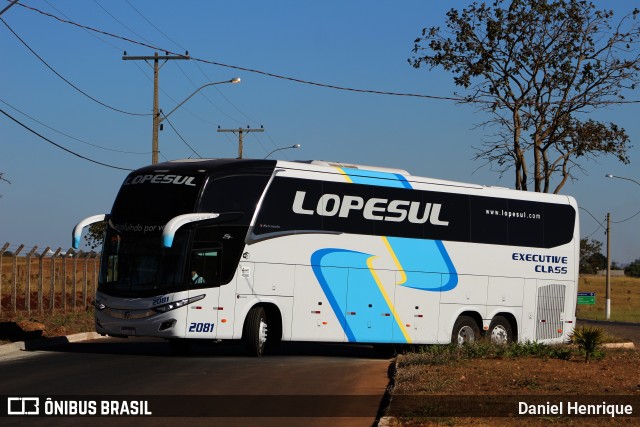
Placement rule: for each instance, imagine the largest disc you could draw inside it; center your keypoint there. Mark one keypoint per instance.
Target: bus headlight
(177, 304)
(98, 305)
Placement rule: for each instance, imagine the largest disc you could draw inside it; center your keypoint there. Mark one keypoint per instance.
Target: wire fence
(47, 280)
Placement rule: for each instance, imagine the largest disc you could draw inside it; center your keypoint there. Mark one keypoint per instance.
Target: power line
(250, 70)
(156, 110)
(67, 81)
(292, 79)
(625, 220)
(206, 97)
(165, 35)
(596, 230)
(118, 21)
(67, 135)
(594, 218)
(241, 131)
(208, 79)
(180, 136)
(60, 146)
(157, 29)
(84, 29)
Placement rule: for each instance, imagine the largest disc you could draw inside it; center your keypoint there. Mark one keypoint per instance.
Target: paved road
(305, 373)
(626, 331)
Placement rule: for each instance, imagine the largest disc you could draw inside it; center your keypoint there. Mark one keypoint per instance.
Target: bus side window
(112, 262)
(205, 267)
(112, 269)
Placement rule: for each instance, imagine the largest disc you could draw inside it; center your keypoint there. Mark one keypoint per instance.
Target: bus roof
(230, 164)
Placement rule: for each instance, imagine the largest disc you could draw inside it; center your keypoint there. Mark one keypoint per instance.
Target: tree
(591, 258)
(95, 234)
(633, 269)
(538, 67)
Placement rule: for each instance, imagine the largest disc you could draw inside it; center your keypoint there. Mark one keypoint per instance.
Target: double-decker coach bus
(265, 250)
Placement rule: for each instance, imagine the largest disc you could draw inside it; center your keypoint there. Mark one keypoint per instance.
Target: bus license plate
(128, 331)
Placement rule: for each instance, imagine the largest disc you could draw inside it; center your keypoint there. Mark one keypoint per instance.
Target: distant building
(617, 273)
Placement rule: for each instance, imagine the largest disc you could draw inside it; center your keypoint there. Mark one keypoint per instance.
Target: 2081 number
(201, 327)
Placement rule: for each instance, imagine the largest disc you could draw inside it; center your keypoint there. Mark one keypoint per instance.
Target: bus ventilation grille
(550, 311)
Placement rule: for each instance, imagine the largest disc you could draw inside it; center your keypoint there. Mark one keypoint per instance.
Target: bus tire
(254, 334)
(500, 331)
(180, 346)
(465, 331)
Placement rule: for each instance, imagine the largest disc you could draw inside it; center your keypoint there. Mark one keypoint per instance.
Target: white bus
(265, 250)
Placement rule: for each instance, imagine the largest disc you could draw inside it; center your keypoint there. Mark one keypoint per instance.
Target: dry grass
(625, 298)
(459, 378)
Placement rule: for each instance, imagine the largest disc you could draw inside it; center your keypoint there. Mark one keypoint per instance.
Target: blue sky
(343, 43)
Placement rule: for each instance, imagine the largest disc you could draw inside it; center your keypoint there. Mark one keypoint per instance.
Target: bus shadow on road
(161, 348)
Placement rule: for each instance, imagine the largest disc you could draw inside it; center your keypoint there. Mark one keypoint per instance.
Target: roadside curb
(47, 342)
(387, 422)
(619, 345)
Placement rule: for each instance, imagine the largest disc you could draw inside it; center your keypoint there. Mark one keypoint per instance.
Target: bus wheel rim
(499, 335)
(262, 332)
(466, 334)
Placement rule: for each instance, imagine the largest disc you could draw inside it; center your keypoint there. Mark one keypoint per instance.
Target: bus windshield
(134, 265)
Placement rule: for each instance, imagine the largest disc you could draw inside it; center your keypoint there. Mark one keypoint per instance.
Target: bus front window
(136, 265)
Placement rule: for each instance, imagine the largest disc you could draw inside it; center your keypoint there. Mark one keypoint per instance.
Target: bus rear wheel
(465, 331)
(254, 335)
(500, 331)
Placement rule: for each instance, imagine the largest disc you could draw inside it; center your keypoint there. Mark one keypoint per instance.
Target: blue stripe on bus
(425, 263)
(382, 179)
(354, 295)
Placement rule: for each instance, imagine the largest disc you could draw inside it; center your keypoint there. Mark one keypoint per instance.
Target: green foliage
(633, 269)
(537, 67)
(485, 349)
(588, 339)
(95, 234)
(591, 258)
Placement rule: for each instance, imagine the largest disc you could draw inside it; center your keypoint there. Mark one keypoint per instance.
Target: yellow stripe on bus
(403, 277)
(386, 298)
(343, 173)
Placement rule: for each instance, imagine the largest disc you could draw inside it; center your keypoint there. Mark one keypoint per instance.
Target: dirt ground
(23, 326)
(496, 386)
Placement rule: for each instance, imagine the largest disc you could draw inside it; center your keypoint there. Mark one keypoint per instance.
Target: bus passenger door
(204, 279)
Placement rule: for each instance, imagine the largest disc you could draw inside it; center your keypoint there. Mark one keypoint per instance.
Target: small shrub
(561, 352)
(452, 353)
(588, 339)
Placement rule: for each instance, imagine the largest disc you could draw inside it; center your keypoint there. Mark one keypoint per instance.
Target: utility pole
(156, 111)
(240, 132)
(608, 296)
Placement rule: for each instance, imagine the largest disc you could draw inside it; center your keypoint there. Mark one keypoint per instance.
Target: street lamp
(283, 148)
(621, 177)
(608, 292)
(158, 120)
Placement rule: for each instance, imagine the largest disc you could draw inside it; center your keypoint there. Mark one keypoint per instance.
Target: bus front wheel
(254, 335)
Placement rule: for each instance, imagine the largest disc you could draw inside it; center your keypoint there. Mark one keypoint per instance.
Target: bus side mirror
(174, 224)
